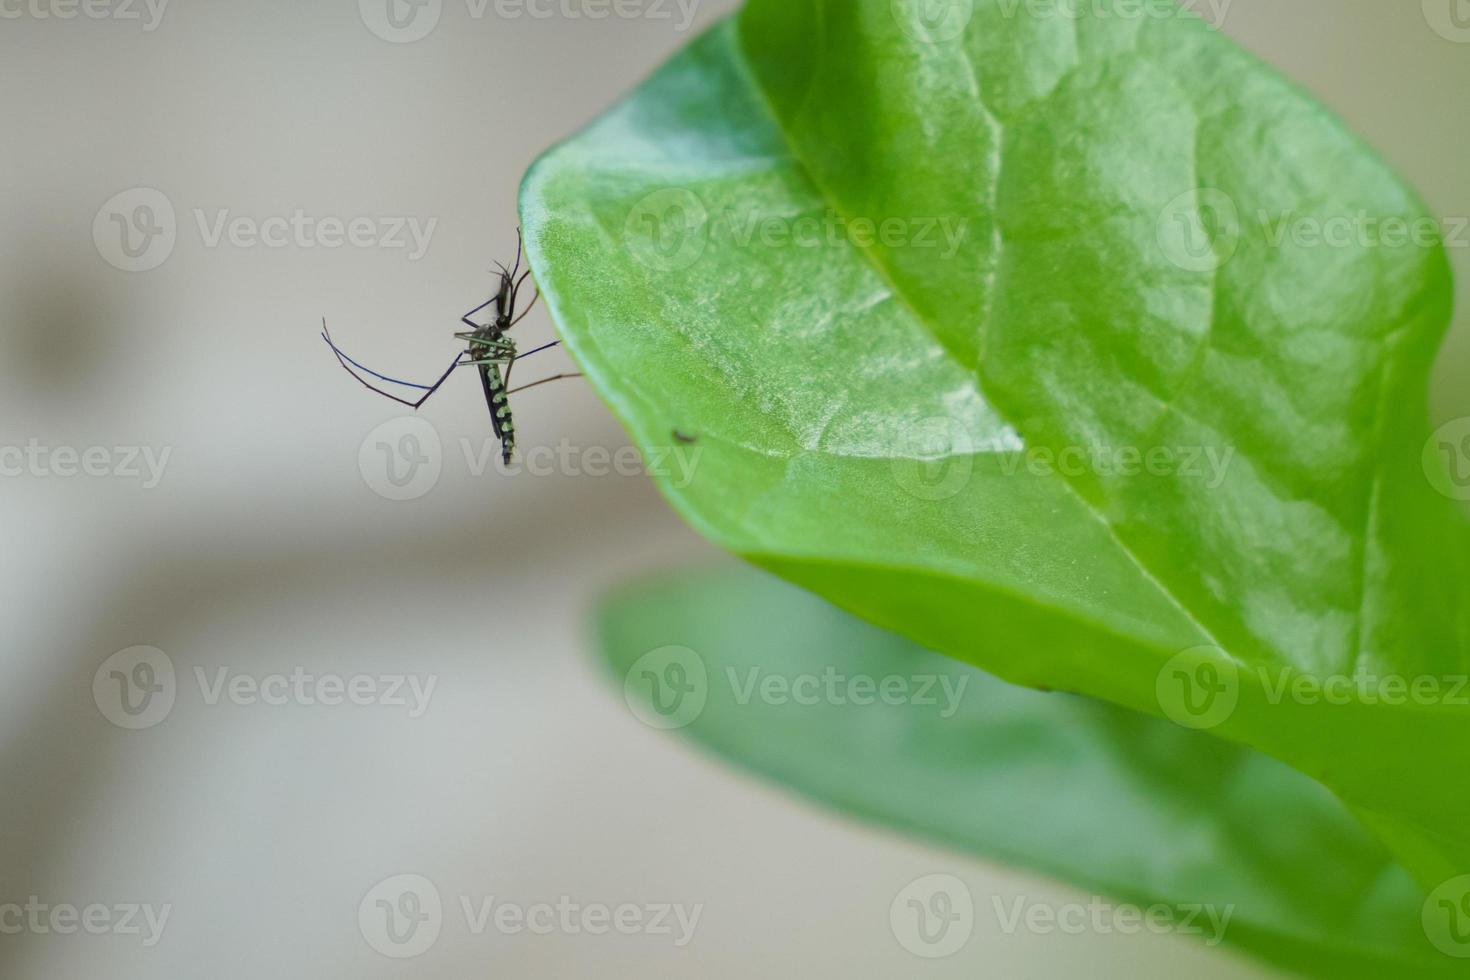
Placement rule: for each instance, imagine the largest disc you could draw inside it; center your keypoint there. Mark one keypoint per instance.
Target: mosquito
(488, 347)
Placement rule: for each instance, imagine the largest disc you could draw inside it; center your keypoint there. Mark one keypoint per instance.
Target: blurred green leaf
(997, 327)
(1129, 807)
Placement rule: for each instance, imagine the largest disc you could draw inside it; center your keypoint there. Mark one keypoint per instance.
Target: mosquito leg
(342, 355)
(537, 350)
(512, 362)
(428, 392)
(348, 364)
(533, 384)
(466, 318)
(527, 309)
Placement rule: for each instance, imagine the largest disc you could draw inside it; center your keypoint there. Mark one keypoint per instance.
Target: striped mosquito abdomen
(498, 401)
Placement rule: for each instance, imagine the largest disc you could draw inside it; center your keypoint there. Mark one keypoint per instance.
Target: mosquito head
(504, 301)
(507, 290)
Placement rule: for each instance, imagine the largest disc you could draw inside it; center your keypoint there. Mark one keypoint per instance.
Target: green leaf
(1128, 807)
(751, 252)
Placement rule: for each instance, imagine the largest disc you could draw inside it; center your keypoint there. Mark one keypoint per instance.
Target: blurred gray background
(268, 544)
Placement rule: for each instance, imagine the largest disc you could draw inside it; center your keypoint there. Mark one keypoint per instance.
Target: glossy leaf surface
(1010, 332)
